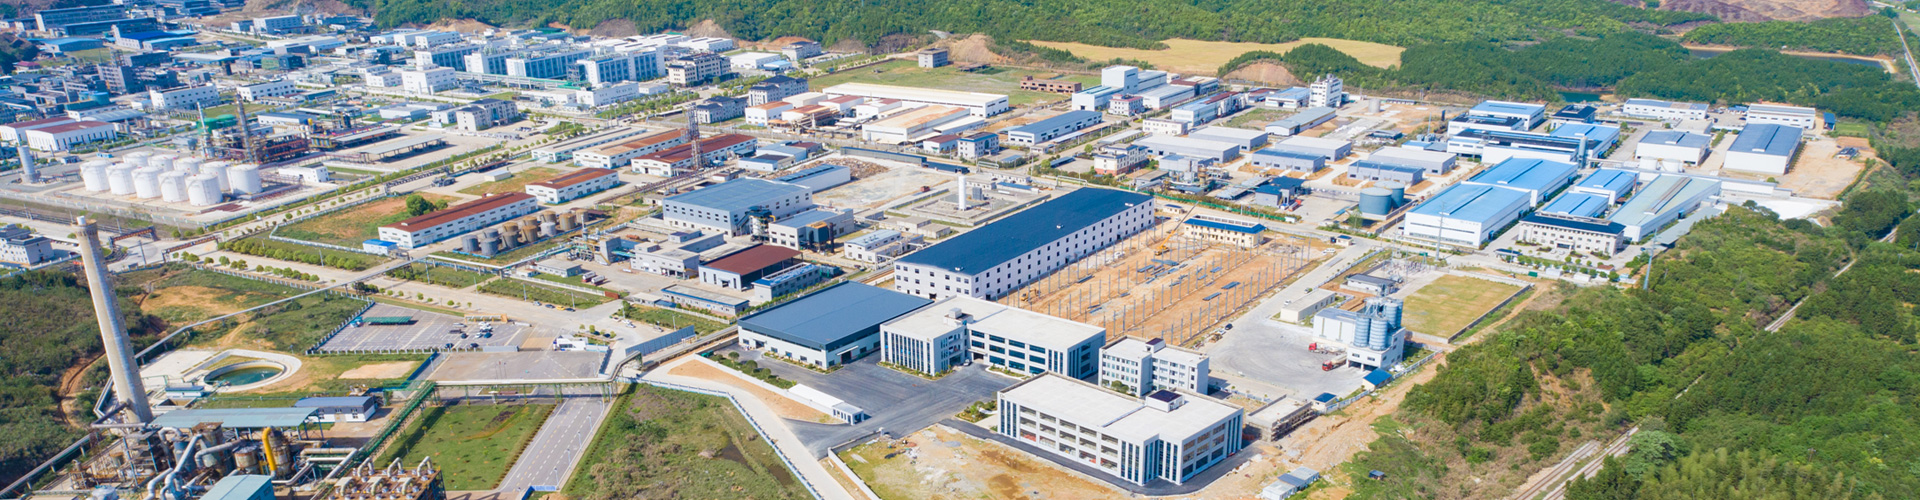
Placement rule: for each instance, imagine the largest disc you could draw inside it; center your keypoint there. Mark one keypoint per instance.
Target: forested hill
(1130, 23)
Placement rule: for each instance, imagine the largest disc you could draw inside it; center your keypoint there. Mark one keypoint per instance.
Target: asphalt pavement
(897, 402)
(554, 451)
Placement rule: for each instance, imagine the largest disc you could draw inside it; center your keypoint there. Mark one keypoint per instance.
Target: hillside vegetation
(1132, 23)
(39, 347)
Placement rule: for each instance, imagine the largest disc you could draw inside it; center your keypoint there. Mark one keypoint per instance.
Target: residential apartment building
(957, 330)
(697, 68)
(573, 185)
(459, 219)
(993, 260)
(1166, 435)
(1147, 366)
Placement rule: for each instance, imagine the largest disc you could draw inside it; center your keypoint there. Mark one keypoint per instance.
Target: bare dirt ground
(1818, 174)
(395, 369)
(972, 49)
(710, 28)
(1205, 57)
(938, 463)
(1265, 72)
(615, 28)
(782, 405)
(1109, 289)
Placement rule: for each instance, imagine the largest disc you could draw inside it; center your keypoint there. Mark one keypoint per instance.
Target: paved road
(551, 456)
(1265, 357)
(897, 402)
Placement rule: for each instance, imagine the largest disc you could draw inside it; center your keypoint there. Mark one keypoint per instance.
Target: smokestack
(28, 173)
(113, 336)
(960, 186)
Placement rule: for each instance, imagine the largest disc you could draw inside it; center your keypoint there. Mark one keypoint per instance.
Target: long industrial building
(458, 219)
(1763, 148)
(993, 260)
(830, 327)
(977, 104)
(1166, 436)
(1465, 215)
(1665, 199)
(725, 208)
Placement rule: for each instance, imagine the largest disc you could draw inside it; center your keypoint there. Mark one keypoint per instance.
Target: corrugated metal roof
(239, 487)
(244, 418)
(752, 259)
(737, 195)
(1767, 139)
(976, 251)
(1577, 204)
(1677, 138)
(1608, 179)
(1471, 202)
(829, 318)
(1526, 173)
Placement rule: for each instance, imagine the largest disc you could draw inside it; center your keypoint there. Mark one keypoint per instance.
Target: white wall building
(64, 136)
(458, 219)
(573, 185)
(956, 330)
(256, 91)
(184, 97)
(976, 103)
(1664, 110)
(995, 259)
(1145, 366)
(1164, 436)
(1791, 116)
(427, 81)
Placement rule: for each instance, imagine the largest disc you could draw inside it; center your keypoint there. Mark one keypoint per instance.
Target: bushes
(279, 250)
(752, 368)
(1864, 36)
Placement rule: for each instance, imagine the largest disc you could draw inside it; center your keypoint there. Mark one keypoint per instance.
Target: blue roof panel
(1253, 229)
(976, 251)
(1767, 139)
(831, 318)
(1618, 181)
(1577, 204)
(1526, 173)
(1471, 202)
(737, 194)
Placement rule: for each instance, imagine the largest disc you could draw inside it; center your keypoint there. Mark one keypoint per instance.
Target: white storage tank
(138, 158)
(94, 175)
(120, 179)
(217, 169)
(173, 186)
(203, 191)
(244, 179)
(146, 182)
(162, 162)
(188, 165)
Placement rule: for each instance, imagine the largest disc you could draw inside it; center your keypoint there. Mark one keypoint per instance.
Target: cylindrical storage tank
(472, 244)
(120, 179)
(1391, 310)
(580, 217)
(190, 165)
(244, 459)
(244, 179)
(138, 158)
(1376, 201)
(146, 182)
(1397, 191)
(545, 217)
(1378, 334)
(203, 191)
(566, 223)
(162, 162)
(94, 175)
(547, 229)
(173, 186)
(527, 229)
(489, 246)
(218, 169)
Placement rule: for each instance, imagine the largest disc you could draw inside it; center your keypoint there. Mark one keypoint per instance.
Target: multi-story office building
(932, 57)
(729, 207)
(995, 259)
(957, 330)
(54, 20)
(1165, 436)
(444, 56)
(427, 81)
(458, 219)
(549, 65)
(620, 67)
(801, 50)
(1146, 366)
(256, 91)
(775, 88)
(1327, 92)
(491, 61)
(479, 115)
(697, 68)
(188, 97)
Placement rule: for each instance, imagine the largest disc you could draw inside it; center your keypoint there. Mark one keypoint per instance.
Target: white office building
(995, 259)
(1166, 436)
(878, 246)
(256, 91)
(188, 97)
(427, 81)
(957, 330)
(1145, 366)
(1664, 110)
(977, 104)
(1790, 116)
(20, 247)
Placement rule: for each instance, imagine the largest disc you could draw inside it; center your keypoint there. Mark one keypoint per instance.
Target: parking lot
(1267, 358)
(518, 366)
(895, 401)
(429, 331)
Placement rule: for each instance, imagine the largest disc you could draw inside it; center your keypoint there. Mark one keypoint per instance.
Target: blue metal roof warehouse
(832, 318)
(978, 250)
(1577, 204)
(1767, 139)
(1535, 177)
(1608, 182)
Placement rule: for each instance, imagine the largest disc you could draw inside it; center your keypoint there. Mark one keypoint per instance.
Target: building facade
(960, 330)
(458, 219)
(1146, 366)
(573, 185)
(995, 259)
(1166, 435)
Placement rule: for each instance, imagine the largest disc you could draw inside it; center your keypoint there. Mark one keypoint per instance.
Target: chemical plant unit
(185, 454)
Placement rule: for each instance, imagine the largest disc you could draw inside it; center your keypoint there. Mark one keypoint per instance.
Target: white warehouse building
(458, 219)
(995, 259)
(977, 104)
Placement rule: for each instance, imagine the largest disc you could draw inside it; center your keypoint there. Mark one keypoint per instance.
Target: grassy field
(349, 227)
(528, 291)
(1257, 118)
(909, 74)
(1451, 302)
(664, 444)
(671, 319)
(439, 275)
(473, 445)
(515, 184)
(1852, 129)
(292, 326)
(184, 295)
(1204, 58)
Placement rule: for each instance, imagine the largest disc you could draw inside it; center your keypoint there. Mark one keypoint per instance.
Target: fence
(1341, 404)
(750, 421)
(338, 329)
(274, 234)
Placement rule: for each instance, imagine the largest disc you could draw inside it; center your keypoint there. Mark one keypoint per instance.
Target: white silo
(217, 169)
(173, 186)
(188, 165)
(120, 179)
(244, 178)
(146, 182)
(94, 175)
(138, 158)
(203, 191)
(162, 162)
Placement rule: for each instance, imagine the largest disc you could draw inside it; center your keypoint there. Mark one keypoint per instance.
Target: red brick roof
(456, 212)
(752, 259)
(42, 121)
(578, 176)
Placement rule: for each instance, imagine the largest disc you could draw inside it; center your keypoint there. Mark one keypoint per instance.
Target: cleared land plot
(1257, 118)
(665, 444)
(1131, 289)
(288, 327)
(183, 295)
(1452, 302)
(785, 406)
(876, 190)
(428, 331)
(1205, 58)
(940, 464)
(1817, 173)
(534, 292)
(473, 445)
(517, 183)
(348, 227)
(908, 73)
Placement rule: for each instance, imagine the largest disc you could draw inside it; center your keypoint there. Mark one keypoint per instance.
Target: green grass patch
(523, 290)
(439, 275)
(517, 183)
(473, 445)
(1257, 118)
(1451, 302)
(568, 280)
(261, 246)
(350, 226)
(1852, 129)
(183, 295)
(291, 326)
(665, 444)
(670, 319)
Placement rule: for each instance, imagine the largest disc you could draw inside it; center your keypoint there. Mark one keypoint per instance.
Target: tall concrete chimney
(113, 335)
(960, 191)
(29, 174)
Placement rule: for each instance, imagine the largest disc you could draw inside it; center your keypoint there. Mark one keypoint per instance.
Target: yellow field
(1201, 57)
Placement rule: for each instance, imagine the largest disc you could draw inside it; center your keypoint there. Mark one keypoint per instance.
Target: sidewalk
(776, 429)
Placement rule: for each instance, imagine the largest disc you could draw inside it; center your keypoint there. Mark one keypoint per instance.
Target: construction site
(1163, 283)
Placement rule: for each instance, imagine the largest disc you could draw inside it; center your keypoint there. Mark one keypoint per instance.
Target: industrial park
(332, 259)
